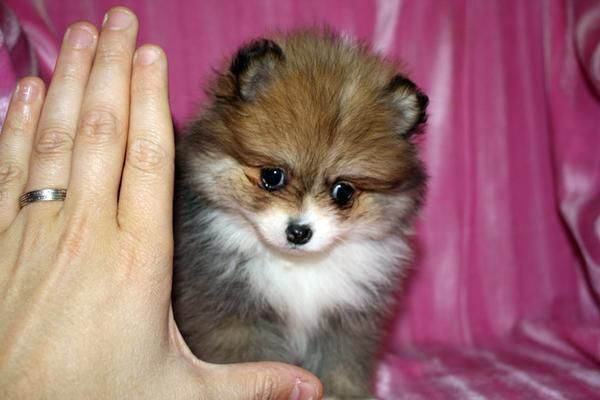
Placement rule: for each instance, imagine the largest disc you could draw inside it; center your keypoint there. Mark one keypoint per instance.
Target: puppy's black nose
(298, 234)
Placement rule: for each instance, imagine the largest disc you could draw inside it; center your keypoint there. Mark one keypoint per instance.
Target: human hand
(85, 284)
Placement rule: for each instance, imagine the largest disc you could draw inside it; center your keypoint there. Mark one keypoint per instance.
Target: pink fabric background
(504, 301)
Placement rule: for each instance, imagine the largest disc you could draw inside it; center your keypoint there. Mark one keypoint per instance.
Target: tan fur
(309, 123)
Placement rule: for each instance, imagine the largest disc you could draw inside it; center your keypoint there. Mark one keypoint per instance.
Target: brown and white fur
(321, 110)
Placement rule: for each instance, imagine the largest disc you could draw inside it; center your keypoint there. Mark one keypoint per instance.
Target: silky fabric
(503, 298)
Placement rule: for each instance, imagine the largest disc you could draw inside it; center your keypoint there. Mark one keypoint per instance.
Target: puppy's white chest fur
(305, 289)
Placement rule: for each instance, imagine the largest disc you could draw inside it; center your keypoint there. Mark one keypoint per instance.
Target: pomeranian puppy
(295, 193)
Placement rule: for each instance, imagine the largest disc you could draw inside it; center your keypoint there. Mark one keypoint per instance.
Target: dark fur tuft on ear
(411, 104)
(253, 66)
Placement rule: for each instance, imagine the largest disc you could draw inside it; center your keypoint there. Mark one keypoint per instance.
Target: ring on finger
(47, 194)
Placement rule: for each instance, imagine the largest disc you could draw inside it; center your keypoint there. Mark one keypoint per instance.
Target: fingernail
(79, 37)
(303, 391)
(146, 55)
(27, 92)
(117, 19)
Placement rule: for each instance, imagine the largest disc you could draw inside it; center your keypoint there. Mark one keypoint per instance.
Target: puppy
(296, 189)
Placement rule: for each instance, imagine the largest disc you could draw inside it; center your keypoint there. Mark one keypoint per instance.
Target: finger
(145, 203)
(15, 145)
(51, 156)
(265, 380)
(261, 380)
(100, 142)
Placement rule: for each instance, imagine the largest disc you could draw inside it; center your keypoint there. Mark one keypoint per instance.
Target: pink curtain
(504, 300)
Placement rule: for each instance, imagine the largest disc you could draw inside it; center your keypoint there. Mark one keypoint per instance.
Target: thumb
(261, 381)
(248, 381)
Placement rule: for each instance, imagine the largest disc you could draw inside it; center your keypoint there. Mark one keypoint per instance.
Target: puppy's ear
(253, 67)
(410, 103)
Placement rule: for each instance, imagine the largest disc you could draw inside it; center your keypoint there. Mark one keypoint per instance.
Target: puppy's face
(308, 140)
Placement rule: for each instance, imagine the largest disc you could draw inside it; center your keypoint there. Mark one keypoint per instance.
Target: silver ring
(42, 195)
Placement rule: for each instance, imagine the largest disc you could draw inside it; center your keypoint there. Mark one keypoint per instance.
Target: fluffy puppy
(295, 192)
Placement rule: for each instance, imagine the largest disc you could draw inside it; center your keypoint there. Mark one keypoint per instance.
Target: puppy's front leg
(347, 361)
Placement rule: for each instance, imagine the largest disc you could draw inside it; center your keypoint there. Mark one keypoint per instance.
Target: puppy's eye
(272, 178)
(342, 193)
